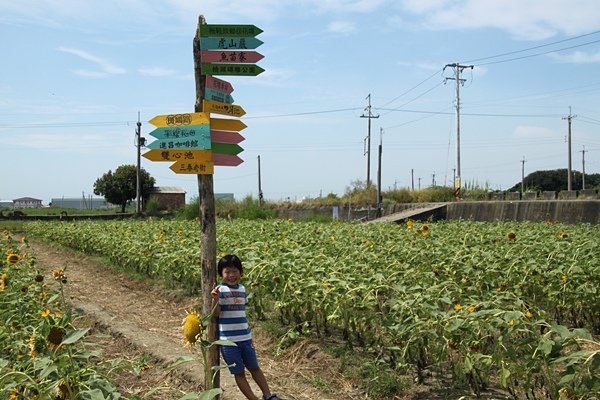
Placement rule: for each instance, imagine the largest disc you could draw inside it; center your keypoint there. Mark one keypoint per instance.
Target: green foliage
(152, 207)
(43, 354)
(557, 180)
(121, 186)
(250, 208)
(461, 298)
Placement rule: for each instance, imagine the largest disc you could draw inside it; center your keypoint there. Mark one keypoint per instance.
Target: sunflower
(45, 313)
(12, 258)
(457, 307)
(528, 314)
(511, 236)
(192, 328)
(409, 224)
(59, 275)
(2, 281)
(55, 337)
(564, 278)
(471, 309)
(563, 235)
(423, 230)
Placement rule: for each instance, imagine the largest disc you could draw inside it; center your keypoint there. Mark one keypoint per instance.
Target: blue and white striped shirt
(233, 324)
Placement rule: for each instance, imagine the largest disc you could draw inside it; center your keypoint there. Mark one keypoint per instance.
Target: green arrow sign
(229, 43)
(200, 132)
(229, 30)
(231, 69)
(226, 148)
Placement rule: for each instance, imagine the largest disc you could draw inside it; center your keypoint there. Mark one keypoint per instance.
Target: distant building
(82, 203)
(27, 202)
(168, 197)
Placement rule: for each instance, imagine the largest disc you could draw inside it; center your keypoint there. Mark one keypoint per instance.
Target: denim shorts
(243, 356)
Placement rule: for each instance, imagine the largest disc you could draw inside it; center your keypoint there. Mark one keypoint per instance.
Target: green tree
(556, 180)
(120, 187)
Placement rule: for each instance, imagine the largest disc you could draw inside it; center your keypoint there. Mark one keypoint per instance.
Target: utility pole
(583, 166)
(139, 142)
(433, 180)
(412, 179)
(260, 193)
(459, 82)
(522, 176)
(368, 149)
(569, 118)
(379, 198)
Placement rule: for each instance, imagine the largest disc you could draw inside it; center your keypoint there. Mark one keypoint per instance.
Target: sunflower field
(514, 305)
(43, 354)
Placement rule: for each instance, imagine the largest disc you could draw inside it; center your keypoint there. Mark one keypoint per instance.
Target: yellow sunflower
(511, 236)
(2, 281)
(409, 224)
(563, 235)
(12, 258)
(457, 307)
(192, 328)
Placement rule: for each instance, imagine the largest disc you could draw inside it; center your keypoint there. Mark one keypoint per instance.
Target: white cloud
(156, 71)
(343, 27)
(106, 68)
(524, 19)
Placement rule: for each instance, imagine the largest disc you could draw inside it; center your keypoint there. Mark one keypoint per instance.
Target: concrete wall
(570, 212)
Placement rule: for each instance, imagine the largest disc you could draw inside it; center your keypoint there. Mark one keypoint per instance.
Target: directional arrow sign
(230, 69)
(225, 137)
(216, 107)
(178, 155)
(215, 95)
(226, 56)
(229, 30)
(198, 168)
(181, 144)
(200, 132)
(223, 124)
(226, 148)
(229, 43)
(179, 119)
(227, 160)
(218, 84)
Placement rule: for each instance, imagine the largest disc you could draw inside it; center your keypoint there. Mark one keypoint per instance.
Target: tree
(120, 187)
(556, 180)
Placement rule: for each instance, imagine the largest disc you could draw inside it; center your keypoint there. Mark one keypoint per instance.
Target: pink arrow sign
(218, 84)
(225, 137)
(240, 56)
(226, 160)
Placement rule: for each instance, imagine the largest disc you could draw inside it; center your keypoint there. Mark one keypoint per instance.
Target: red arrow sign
(240, 56)
(225, 137)
(218, 84)
(226, 160)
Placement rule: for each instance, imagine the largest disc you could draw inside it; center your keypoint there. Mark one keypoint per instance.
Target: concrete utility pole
(412, 179)
(368, 149)
(583, 168)
(459, 82)
(379, 198)
(522, 176)
(260, 192)
(569, 118)
(139, 142)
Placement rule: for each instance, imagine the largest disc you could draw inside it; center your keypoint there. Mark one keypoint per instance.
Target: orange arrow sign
(223, 124)
(178, 155)
(216, 107)
(193, 167)
(161, 121)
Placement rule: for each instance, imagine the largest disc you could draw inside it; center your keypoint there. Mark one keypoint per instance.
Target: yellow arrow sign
(161, 121)
(223, 124)
(178, 155)
(209, 106)
(193, 167)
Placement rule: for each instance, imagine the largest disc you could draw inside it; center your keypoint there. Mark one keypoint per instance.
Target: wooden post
(208, 238)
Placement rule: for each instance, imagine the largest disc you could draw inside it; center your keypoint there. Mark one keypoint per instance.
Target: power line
(532, 48)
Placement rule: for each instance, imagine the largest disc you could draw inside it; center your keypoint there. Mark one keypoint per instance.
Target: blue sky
(76, 73)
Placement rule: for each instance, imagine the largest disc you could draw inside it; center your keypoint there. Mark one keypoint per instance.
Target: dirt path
(142, 325)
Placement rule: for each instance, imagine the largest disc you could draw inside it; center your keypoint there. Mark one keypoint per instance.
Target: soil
(140, 324)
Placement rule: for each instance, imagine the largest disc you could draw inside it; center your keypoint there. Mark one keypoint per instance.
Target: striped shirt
(233, 324)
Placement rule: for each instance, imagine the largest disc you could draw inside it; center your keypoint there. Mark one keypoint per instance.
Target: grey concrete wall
(570, 212)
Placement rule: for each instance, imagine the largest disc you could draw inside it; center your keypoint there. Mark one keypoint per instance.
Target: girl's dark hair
(229, 260)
